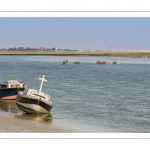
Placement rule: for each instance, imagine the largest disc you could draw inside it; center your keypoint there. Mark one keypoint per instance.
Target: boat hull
(76, 62)
(9, 93)
(30, 105)
(67, 63)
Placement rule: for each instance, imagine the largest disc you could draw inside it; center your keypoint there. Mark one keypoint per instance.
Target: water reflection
(10, 107)
(37, 117)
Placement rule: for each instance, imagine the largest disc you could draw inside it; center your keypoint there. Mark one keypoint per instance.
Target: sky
(76, 33)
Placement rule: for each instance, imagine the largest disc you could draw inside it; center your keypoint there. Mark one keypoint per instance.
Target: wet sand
(13, 120)
(13, 123)
(16, 123)
(44, 123)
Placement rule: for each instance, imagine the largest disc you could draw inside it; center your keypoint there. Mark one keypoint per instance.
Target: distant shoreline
(80, 53)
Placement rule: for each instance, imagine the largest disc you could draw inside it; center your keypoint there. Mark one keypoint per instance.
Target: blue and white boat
(10, 89)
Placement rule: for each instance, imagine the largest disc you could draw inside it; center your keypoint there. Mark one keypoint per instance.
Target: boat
(10, 89)
(99, 62)
(34, 101)
(77, 62)
(65, 62)
(114, 63)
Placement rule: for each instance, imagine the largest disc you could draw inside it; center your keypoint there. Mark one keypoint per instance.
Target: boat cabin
(35, 94)
(11, 84)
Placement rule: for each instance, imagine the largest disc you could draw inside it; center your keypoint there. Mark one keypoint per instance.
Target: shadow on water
(10, 107)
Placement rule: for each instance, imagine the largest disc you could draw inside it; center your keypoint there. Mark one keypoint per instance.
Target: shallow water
(112, 98)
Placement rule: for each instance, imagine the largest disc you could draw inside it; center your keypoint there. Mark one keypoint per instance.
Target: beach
(37, 123)
(13, 120)
(12, 123)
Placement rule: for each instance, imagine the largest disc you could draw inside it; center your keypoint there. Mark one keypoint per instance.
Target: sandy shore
(13, 120)
(116, 53)
(14, 123)
(34, 123)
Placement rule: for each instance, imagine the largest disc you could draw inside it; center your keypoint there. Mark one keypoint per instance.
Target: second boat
(10, 89)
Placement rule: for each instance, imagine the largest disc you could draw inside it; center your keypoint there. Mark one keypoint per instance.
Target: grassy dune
(82, 53)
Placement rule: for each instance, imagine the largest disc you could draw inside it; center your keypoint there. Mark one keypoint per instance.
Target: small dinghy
(77, 62)
(99, 62)
(65, 62)
(114, 63)
(34, 101)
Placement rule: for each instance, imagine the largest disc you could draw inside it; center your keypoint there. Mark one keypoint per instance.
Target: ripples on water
(111, 96)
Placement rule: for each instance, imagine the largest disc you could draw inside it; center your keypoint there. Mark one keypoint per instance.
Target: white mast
(42, 82)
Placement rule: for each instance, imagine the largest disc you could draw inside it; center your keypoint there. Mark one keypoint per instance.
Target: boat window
(3, 86)
(15, 86)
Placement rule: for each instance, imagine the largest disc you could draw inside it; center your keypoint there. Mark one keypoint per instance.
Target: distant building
(54, 49)
(67, 50)
(12, 49)
(27, 48)
(20, 48)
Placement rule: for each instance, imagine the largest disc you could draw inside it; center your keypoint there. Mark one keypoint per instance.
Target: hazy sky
(76, 33)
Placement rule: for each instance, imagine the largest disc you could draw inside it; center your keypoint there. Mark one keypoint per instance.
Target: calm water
(115, 98)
